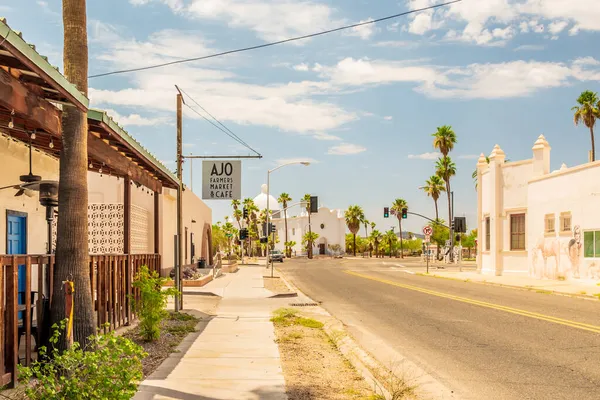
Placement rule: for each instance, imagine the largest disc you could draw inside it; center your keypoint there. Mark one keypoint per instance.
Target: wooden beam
(100, 151)
(127, 216)
(15, 95)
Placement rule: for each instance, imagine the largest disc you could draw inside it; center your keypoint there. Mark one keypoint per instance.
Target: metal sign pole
(427, 258)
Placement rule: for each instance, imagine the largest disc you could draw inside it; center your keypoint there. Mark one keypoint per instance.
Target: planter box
(192, 283)
(229, 269)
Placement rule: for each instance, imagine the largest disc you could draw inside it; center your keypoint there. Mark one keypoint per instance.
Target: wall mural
(561, 258)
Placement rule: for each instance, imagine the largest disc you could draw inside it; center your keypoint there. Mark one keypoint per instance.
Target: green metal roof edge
(28, 51)
(102, 116)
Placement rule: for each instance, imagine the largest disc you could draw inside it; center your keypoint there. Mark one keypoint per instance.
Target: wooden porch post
(127, 243)
(156, 222)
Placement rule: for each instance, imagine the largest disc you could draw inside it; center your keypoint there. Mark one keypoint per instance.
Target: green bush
(152, 302)
(109, 368)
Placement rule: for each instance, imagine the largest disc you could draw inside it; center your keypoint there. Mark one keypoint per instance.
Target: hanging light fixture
(33, 134)
(51, 145)
(91, 166)
(11, 123)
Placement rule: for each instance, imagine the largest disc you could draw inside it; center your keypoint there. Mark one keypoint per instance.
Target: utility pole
(451, 228)
(179, 264)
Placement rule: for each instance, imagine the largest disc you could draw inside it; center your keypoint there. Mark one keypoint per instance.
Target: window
(591, 244)
(549, 221)
(487, 233)
(517, 232)
(565, 222)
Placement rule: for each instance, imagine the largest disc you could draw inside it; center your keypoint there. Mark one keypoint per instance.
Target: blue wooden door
(17, 244)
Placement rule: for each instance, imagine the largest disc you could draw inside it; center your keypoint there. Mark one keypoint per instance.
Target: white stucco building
(537, 222)
(328, 223)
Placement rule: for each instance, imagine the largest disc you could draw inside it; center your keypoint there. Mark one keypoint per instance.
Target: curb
(293, 290)
(528, 289)
(283, 295)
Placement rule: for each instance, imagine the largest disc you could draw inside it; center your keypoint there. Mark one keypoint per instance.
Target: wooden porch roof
(32, 94)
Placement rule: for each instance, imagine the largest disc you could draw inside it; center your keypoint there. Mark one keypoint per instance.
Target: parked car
(276, 255)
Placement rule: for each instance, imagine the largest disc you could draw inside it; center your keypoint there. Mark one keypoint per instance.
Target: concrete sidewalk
(576, 287)
(234, 356)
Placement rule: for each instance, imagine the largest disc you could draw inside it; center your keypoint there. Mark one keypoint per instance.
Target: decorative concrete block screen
(139, 230)
(105, 229)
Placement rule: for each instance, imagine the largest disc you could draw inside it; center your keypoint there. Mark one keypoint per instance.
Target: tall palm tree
(367, 223)
(284, 199)
(434, 186)
(72, 236)
(445, 169)
(396, 210)
(354, 217)
(444, 140)
(237, 213)
(587, 112)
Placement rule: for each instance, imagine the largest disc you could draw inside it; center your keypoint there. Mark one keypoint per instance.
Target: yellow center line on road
(525, 313)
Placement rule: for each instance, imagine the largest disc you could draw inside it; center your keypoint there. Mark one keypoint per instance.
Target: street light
(306, 164)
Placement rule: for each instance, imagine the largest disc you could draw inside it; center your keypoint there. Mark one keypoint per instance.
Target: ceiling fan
(26, 180)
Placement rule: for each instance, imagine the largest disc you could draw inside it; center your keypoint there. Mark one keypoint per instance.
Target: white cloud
(325, 136)
(365, 31)
(485, 22)
(301, 67)
(425, 156)
(557, 27)
(408, 44)
(136, 119)
(529, 47)
(388, 118)
(346, 149)
(270, 19)
(287, 106)
(296, 160)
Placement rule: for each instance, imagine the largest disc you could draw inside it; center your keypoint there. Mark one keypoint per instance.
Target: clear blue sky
(361, 105)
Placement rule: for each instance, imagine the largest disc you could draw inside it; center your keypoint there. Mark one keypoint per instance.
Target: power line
(217, 121)
(260, 46)
(234, 137)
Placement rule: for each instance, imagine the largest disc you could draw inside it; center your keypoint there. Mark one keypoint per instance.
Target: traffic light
(404, 213)
(314, 204)
(452, 226)
(271, 228)
(460, 224)
(264, 240)
(386, 212)
(243, 234)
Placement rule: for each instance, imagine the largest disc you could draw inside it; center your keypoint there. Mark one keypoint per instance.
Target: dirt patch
(312, 365)
(276, 285)
(172, 331)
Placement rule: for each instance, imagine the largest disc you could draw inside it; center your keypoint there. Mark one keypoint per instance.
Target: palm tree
(237, 213)
(587, 112)
(434, 187)
(391, 238)
(446, 169)
(375, 238)
(354, 216)
(396, 210)
(309, 239)
(444, 140)
(72, 233)
(367, 223)
(284, 199)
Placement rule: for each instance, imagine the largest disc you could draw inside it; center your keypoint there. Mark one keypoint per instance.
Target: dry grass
(312, 365)
(173, 330)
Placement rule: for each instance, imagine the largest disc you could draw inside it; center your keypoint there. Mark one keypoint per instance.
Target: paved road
(481, 341)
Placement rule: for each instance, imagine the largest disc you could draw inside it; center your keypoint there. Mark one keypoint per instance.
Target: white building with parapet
(537, 222)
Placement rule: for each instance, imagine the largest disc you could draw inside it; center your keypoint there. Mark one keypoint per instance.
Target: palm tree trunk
(72, 236)
(401, 247)
(287, 250)
(449, 215)
(310, 250)
(354, 245)
(593, 144)
(437, 217)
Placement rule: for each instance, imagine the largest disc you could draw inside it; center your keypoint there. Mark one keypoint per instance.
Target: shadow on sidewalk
(148, 393)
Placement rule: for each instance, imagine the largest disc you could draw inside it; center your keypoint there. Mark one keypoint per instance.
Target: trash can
(202, 263)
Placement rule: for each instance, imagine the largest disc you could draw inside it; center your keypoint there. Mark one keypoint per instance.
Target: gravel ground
(173, 330)
(312, 366)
